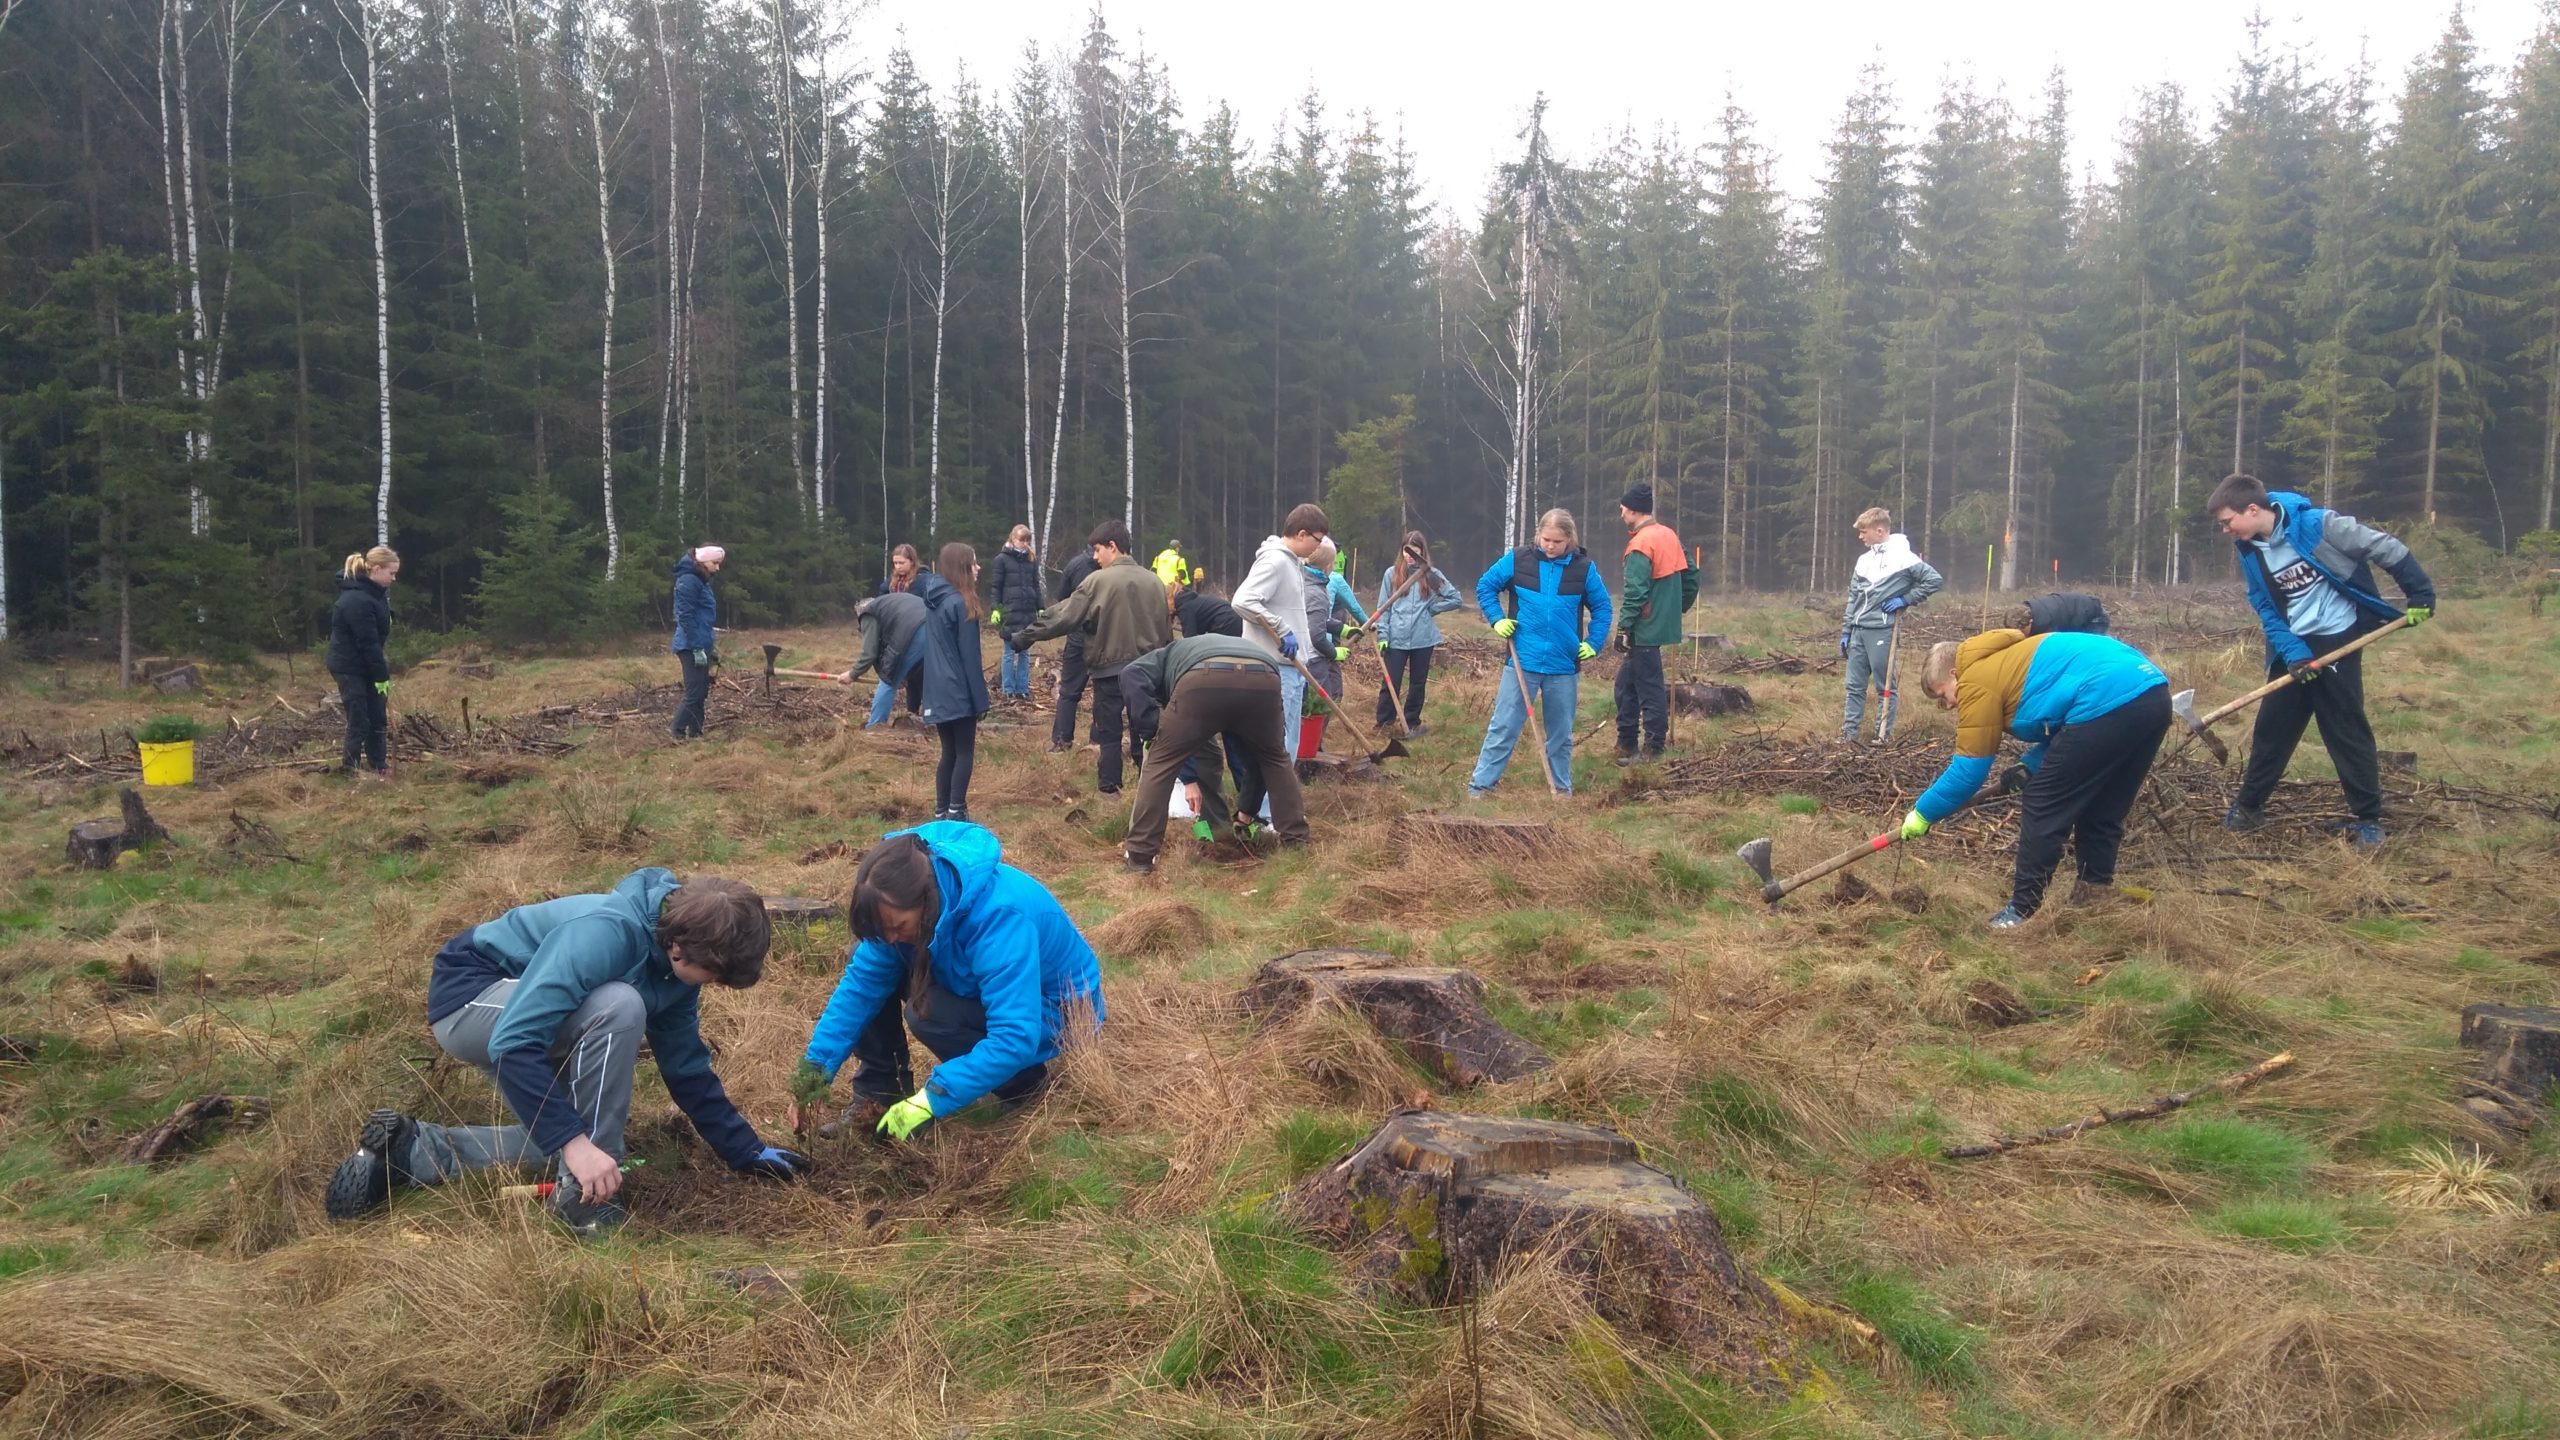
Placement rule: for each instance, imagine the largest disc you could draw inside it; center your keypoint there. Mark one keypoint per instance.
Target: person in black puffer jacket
(359, 627)
(1015, 587)
(1072, 673)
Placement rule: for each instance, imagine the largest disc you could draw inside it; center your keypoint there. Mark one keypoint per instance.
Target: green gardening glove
(907, 1116)
(382, 688)
(1341, 654)
(1506, 627)
(809, 1085)
(995, 617)
(2420, 615)
(702, 658)
(1584, 651)
(1913, 826)
(1350, 633)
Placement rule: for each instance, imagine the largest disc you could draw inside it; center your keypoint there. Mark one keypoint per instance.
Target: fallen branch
(2151, 1109)
(191, 1123)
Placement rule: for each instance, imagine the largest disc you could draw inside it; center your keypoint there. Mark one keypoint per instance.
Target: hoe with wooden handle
(1394, 747)
(1756, 853)
(2198, 727)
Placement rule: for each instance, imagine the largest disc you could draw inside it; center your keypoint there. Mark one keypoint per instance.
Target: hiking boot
(957, 812)
(2241, 819)
(582, 1219)
(858, 1121)
(1416, 730)
(1651, 754)
(1059, 747)
(2362, 834)
(362, 1182)
(1134, 865)
(2008, 918)
(1626, 755)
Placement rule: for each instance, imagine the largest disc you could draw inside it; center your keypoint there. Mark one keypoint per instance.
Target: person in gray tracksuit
(1888, 579)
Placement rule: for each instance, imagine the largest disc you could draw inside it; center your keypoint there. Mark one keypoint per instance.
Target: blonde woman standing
(359, 627)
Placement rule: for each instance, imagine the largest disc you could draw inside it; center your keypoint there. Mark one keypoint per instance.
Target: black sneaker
(2241, 819)
(1626, 755)
(957, 812)
(1135, 866)
(1059, 747)
(362, 1182)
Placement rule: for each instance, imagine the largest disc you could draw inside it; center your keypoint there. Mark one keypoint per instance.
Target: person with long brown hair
(1410, 594)
(955, 685)
(980, 962)
(905, 564)
(359, 627)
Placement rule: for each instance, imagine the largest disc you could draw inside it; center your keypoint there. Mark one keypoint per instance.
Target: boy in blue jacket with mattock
(551, 1001)
(2309, 574)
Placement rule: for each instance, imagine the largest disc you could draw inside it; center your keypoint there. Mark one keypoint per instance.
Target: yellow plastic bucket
(170, 764)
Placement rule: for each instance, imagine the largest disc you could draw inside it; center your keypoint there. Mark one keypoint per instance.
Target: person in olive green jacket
(1121, 610)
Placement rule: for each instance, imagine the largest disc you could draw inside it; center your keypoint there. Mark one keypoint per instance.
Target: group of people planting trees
(978, 960)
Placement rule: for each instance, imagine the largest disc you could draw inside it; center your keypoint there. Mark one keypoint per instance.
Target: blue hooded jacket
(695, 607)
(955, 688)
(562, 950)
(1002, 939)
(1407, 623)
(2032, 686)
(2344, 550)
(1551, 621)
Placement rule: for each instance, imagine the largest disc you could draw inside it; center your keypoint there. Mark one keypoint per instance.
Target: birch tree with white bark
(598, 58)
(942, 185)
(366, 22)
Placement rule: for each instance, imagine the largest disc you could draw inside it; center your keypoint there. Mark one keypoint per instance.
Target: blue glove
(1896, 605)
(1844, 643)
(1288, 646)
(775, 1163)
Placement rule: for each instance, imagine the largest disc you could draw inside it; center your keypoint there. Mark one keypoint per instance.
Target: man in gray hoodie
(1273, 600)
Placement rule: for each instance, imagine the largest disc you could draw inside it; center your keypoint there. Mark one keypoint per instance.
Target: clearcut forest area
(2343, 1248)
(465, 377)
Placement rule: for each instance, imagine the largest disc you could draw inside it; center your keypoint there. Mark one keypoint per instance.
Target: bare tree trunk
(1128, 388)
(2551, 421)
(604, 368)
(1066, 332)
(461, 189)
(691, 248)
(2240, 398)
(2009, 524)
(785, 85)
(888, 314)
(524, 190)
(1724, 518)
(2141, 439)
(2435, 410)
(362, 15)
(826, 171)
(1028, 145)
(673, 258)
(2177, 463)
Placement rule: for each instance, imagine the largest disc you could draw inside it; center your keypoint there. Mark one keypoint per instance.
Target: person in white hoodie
(1273, 600)
(1888, 579)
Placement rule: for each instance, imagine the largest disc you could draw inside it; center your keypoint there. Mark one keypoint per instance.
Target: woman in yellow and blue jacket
(2092, 710)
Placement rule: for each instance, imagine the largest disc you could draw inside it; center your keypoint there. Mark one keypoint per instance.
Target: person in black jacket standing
(359, 627)
(1016, 587)
(955, 685)
(1072, 674)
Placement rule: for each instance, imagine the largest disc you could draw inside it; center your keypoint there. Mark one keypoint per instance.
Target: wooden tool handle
(2325, 661)
(1841, 861)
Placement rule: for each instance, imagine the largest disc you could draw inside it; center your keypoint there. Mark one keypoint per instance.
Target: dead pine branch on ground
(2151, 1109)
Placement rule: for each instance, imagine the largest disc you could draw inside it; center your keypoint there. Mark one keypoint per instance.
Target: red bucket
(1310, 736)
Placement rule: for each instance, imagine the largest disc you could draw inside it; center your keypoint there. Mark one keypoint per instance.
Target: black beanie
(1639, 497)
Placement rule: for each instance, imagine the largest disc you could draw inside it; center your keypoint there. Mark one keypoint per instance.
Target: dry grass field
(2319, 1255)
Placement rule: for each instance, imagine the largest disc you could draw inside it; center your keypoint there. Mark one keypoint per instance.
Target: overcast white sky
(1458, 78)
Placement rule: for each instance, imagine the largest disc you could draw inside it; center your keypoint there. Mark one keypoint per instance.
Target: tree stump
(188, 1125)
(1326, 768)
(1710, 699)
(1433, 1203)
(2519, 1047)
(95, 844)
(1435, 1012)
(1477, 837)
(1705, 641)
(177, 680)
(798, 910)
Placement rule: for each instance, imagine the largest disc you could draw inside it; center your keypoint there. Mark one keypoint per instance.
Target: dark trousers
(1410, 671)
(1071, 680)
(1242, 703)
(959, 758)
(368, 723)
(697, 686)
(2336, 700)
(2086, 786)
(949, 1025)
(1642, 695)
(1109, 709)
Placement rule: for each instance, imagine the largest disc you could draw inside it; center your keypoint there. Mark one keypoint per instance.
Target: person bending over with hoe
(1889, 578)
(1558, 613)
(892, 629)
(2092, 711)
(974, 957)
(1212, 687)
(552, 1001)
(2309, 573)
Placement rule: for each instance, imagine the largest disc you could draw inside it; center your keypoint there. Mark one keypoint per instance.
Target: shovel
(2183, 704)
(770, 651)
(1395, 748)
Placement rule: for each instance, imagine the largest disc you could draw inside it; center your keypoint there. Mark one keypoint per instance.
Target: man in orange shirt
(1658, 587)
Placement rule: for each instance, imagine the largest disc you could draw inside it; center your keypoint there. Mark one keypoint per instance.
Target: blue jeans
(1556, 699)
(884, 696)
(1293, 700)
(1013, 673)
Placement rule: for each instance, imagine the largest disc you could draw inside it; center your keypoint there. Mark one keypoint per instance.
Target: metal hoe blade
(1755, 854)
(2183, 705)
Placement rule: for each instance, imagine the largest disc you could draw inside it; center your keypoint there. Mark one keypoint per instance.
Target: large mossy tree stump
(1436, 1012)
(2519, 1047)
(799, 910)
(95, 844)
(1433, 1203)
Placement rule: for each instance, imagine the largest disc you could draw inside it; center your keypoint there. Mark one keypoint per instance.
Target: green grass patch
(1914, 1322)
(2300, 1226)
(2246, 1155)
(1307, 1141)
(1793, 804)
(2515, 1417)
(1725, 1106)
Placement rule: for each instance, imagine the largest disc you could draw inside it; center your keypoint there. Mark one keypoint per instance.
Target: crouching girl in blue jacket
(974, 957)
